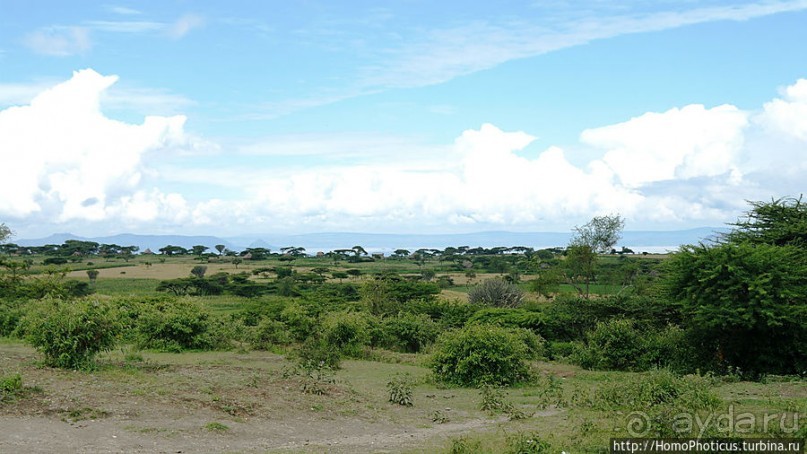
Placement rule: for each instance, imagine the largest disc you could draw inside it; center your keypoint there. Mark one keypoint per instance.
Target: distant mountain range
(650, 241)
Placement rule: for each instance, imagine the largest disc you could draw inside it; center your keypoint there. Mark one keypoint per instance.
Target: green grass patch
(118, 286)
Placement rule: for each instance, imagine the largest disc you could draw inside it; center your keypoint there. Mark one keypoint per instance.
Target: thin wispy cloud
(444, 54)
(59, 41)
(184, 25)
(123, 10)
(126, 26)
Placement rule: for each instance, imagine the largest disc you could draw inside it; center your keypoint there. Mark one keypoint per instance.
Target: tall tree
(744, 299)
(5, 232)
(601, 233)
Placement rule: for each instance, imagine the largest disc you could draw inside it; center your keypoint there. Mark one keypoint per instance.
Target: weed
(526, 443)
(400, 390)
(10, 387)
(83, 414)
(439, 417)
(463, 445)
(217, 427)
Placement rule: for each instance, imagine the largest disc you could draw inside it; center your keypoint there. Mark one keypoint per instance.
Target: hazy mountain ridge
(385, 242)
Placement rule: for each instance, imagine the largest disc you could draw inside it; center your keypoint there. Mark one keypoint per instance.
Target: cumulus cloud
(64, 155)
(59, 41)
(681, 143)
(691, 165)
(788, 115)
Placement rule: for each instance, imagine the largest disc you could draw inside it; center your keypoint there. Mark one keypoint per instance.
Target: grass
(560, 406)
(114, 287)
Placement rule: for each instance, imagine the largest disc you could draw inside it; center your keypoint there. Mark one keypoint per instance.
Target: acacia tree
(601, 233)
(597, 236)
(5, 232)
(743, 300)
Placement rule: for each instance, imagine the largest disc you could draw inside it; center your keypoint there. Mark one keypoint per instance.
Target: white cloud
(788, 115)
(126, 26)
(59, 41)
(184, 25)
(681, 143)
(690, 165)
(436, 56)
(67, 156)
(123, 10)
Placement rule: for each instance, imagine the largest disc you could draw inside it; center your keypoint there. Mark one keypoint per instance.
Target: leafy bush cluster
(484, 354)
(71, 333)
(496, 292)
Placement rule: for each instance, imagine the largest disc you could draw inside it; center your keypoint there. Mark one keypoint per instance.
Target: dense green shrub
(614, 345)
(269, 333)
(300, 322)
(70, 333)
(176, 325)
(316, 353)
(570, 318)
(409, 332)
(496, 292)
(509, 318)
(480, 354)
(448, 314)
(656, 388)
(11, 311)
(620, 344)
(745, 304)
(54, 261)
(348, 332)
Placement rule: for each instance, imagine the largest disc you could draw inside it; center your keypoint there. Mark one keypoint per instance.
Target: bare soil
(221, 402)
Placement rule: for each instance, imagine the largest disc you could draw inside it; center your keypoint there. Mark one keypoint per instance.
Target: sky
(412, 116)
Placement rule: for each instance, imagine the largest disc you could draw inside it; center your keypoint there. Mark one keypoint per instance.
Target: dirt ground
(221, 402)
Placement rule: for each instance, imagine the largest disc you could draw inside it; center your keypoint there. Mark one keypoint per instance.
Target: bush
(11, 311)
(348, 332)
(481, 354)
(509, 318)
(176, 325)
(448, 314)
(614, 345)
(70, 333)
(269, 333)
(496, 292)
(570, 318)
(657, 388)
(298, 320)
(317, 353)
(409, 333)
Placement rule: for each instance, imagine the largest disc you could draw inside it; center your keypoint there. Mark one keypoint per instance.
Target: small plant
(199, 271)
(439, 417)
(400, 390)
(496, 292)
(92, 274)
(83, 414)
(463, 445)
(217, 427)
(526, 443)
(10, 387)
(493, 400)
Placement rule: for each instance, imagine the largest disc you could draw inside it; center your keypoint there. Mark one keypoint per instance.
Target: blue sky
(411, 116)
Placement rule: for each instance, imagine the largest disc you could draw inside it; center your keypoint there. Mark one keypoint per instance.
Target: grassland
(243, 400)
